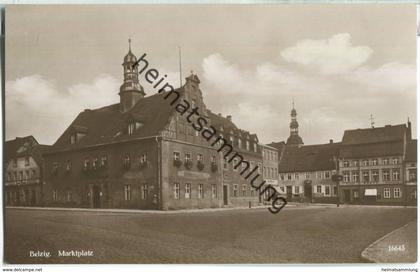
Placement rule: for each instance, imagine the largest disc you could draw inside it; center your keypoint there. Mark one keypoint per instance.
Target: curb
(133, 211)
(364, 253)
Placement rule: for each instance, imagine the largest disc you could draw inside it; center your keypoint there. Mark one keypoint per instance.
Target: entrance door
(289, 192)
(96, 191)
(225, 195)
(347, 196)
(308, 191)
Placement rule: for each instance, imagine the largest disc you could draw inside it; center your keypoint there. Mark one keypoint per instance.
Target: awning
(370, 192)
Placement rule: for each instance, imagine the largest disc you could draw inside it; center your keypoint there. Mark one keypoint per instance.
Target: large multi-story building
(373, 164)
(23, 171)
(144, 153)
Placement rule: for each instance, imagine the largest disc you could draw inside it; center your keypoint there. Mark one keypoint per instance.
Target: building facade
(143, 153)
(373, 164)
(23, 171)
(270, 168)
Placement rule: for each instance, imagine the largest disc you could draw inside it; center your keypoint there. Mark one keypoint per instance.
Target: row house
(373, 164)
(270, 167)
(305, 173)
(23, 171)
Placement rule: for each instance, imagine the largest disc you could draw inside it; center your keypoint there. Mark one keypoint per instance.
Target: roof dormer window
(133, 126)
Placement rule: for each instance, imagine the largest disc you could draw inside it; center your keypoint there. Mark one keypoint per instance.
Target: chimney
(408, 130)
(331, 141)
(229, 117)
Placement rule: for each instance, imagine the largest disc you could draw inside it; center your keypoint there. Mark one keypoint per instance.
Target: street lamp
(337, 178)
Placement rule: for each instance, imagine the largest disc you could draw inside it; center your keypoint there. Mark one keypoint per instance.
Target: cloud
(335, 88)
(330, 56)
(35, 105)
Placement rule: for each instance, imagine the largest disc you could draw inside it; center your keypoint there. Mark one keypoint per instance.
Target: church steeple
(294, 138)
(130, 91)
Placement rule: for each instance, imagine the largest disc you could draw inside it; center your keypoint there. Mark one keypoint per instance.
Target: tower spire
(129, 44)
(372, 122)
(294, 138)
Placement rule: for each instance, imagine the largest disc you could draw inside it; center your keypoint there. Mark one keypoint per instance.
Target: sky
(339, 63)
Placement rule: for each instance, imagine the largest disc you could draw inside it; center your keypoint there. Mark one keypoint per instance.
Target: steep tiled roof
(374, 135)
(220, 121)
(373, 142)
(309, 158)
(225, 125)
(109, 124)
(372, 150)
(25, 146)
(12, 147)
(411, 151)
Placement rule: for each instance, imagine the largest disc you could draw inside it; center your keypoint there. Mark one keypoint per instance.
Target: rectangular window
(296, 189)
(296, 176)
(365, 175)
(375, 175)
(345, 163)
(177, 156)
(187, 190)
(26, 161)
(225, 164)
(412, 174)
(187, 157)
(200, 191)
(213, 159)
(397, 192)
(15, 163)
(69, 196)
(327, 190)
(395, 174)
(365, 162)
(235, 190)
(144, 191)
(104, 161)
(307, 175)
(355, 163)
(346, 176)
(395, 160)
(176, 190)
(127, 161)
(143, 158)
(374, 162)
(327, 174)
(200, 157)
(235, 162)
(259, 168)
(95, 163)
(335, 190)
(55, 195)
(127, 192)
(282, 176)
(385, 161)
(244, 188)
(213, 191)
(387, 193)
(355, 176)
(319, 189)
(386, 175)
(355, 194)
(289, 176)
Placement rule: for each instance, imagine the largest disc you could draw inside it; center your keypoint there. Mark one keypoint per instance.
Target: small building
(306, 173)
(24, 171)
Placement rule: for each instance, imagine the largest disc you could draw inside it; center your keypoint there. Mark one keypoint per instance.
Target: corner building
(143, 154)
